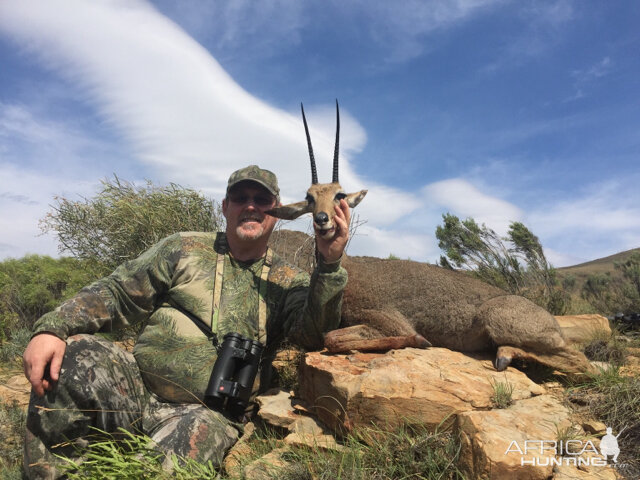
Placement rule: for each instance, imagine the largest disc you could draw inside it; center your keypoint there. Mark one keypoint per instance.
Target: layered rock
(442, 388)
(409, 385)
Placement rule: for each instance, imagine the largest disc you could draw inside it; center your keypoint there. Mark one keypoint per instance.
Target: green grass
(615, 400)
(132, 456)
(12, 426)
(11, 350)
(408, 452)
(606, 346)
(502, 393)
(572, 432)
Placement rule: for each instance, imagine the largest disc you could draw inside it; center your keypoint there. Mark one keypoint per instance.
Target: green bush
(516, 263)
(123, 220)
(36, 284)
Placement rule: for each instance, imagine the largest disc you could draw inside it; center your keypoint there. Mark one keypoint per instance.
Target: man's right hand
(44, 351)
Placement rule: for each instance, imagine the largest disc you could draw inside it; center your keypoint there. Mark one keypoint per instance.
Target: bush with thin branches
(123, 219)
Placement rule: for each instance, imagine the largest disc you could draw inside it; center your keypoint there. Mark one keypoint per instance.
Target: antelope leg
(362, 338)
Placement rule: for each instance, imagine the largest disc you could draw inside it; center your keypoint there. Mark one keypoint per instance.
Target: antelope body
(397, 303)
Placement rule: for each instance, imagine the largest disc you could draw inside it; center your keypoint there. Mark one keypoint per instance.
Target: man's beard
(256, 231)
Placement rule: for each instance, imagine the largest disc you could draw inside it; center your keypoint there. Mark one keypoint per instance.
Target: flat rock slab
(276, 408)
(402, 386)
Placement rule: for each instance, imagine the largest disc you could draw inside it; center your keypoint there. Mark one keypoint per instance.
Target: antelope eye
(339, 196)
(309, 199)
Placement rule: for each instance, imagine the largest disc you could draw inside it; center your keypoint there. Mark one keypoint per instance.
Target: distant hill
(601, 265)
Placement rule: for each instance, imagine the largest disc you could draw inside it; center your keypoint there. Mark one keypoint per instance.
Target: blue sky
(493, 109)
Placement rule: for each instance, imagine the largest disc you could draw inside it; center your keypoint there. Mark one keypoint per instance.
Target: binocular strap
(262, 294)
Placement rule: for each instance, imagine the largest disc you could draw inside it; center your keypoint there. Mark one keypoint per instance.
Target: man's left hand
(333, 248)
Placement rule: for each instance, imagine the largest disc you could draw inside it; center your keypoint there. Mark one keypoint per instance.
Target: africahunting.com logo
(575, 452)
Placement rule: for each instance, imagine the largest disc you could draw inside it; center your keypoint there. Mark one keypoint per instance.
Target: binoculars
(233, 374)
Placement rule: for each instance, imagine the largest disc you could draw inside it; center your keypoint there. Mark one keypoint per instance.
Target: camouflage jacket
(170, 287)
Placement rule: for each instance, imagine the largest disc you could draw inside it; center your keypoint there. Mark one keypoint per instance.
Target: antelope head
(321, 197)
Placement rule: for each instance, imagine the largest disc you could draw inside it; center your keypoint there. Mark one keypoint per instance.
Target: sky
(495, 110)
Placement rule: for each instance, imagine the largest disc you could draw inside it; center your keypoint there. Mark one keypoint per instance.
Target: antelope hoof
(422, 342)
(501, 362)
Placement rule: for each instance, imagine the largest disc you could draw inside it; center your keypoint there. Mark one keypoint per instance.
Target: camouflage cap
(254, 173)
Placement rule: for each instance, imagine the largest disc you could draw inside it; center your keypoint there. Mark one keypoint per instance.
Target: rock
(233, 460)
(16, 390)
(276, 408)
(579, 329)
(409, 385)
(267, 467)
(487, 436)
(307, 431)
(566, 472)
(593, 427)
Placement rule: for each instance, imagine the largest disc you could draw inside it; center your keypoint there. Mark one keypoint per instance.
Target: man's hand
(44, 352)
(332, 249)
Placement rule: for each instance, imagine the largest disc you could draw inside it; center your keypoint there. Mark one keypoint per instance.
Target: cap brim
(253, 180)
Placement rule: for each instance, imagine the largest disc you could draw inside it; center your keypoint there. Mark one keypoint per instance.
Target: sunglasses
(261, 200)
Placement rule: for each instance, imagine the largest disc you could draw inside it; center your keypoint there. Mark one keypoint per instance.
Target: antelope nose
(321, 218)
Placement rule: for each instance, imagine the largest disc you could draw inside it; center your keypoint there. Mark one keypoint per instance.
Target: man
(190, 289)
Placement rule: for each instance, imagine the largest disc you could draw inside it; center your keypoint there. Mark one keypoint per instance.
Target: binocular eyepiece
(233, 374)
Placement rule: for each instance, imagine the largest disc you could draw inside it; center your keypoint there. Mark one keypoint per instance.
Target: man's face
(244, 210)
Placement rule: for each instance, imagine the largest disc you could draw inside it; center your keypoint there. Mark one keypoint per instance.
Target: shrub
(124, 220)
(516, 263)
(35, 284)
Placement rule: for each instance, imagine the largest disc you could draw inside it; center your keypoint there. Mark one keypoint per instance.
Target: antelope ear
(354, 199)
(291, 211)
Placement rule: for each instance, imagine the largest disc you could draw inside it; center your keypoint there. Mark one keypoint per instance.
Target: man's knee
(195, 432)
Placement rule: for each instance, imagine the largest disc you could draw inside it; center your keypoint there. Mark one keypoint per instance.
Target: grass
(502, 393)
(615, 400)
(408, 452)
(132, 456)
(571, 432)
(12, 426)
(286, 367)
(11, 350)
(606, 346)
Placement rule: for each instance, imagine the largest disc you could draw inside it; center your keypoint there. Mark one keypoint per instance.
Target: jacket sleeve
(311, 311)
(127, 296)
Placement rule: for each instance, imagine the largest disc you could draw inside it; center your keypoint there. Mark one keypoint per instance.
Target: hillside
(601, 265)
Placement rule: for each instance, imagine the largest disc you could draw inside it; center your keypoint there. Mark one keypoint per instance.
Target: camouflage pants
(100, 386)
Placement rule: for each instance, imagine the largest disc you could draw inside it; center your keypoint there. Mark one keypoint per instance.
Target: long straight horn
(337, 149)
(314, 172)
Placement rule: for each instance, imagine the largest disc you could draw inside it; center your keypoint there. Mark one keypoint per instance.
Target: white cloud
(459, 197)
(185, 118)
(188, 122)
